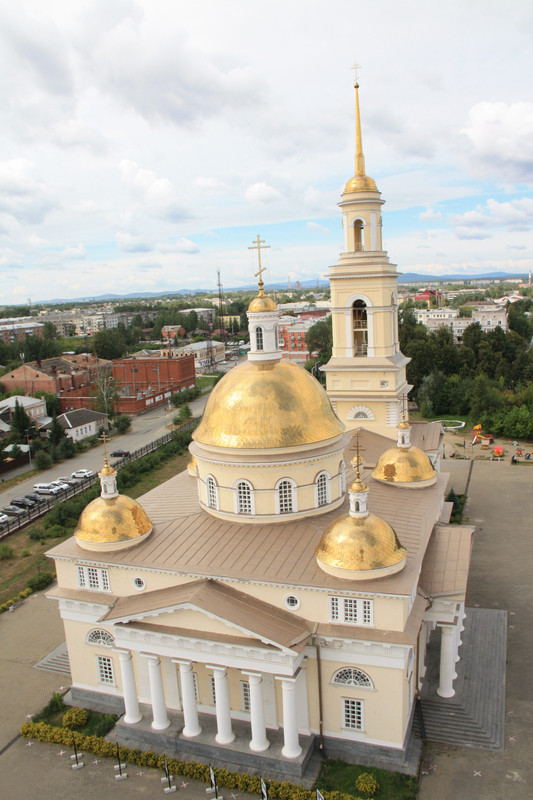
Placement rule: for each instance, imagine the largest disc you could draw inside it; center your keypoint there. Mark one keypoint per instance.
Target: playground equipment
(486, 439)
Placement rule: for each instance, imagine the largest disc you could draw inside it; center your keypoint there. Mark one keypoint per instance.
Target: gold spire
(106, 469)
(358, 485)
(361, 182)
(405, 422)
(261, 303)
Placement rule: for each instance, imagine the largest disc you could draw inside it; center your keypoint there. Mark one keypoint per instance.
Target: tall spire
(361, 182)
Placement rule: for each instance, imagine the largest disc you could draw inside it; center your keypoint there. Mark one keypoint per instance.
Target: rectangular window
(212, 694)
(93, 578)
(245, 695)
(105, 670)
(353, 714)
(351, 610)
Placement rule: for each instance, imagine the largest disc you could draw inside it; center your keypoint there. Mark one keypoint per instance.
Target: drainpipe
(319, 686)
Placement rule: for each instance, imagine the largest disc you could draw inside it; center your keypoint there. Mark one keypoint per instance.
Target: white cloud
(21, 196)
(429, 215)
(181, 245)
(157, 194)
(75, 253)
(499, 139)
(315, 226)
(262, 193)
(132, 244)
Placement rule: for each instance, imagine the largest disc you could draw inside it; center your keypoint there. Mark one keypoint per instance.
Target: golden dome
(191, 466)
(262, 303)
(366, 545)
(107, 470)
(267, 404)
(112, 521)
(405, 465)
(360, 183)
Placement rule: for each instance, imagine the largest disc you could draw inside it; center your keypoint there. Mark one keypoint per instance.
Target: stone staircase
(56, 661)
(475, 716)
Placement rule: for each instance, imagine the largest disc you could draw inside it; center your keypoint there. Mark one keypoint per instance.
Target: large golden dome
(116, 522)
(363, 547)
(267, 404)
(407, 466)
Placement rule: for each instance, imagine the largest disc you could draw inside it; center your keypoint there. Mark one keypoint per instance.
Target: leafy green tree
(67, 448)
(319, 339)
(110, 344)
(56, 433)
(20, 421)
(49, 330)
(122, 423)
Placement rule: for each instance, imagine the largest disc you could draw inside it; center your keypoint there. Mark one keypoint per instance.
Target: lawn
(28, 554)
(341, 777)
(97, 724)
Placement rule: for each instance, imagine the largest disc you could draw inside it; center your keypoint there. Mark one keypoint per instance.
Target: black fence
(28, 515)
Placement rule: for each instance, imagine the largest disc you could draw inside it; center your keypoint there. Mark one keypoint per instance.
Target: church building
(278, 596)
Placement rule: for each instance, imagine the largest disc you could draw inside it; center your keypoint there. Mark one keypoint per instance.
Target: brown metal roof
(447, 559)
(268, 623)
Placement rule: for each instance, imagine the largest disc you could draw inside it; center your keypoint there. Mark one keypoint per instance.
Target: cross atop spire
(355, 68)
(259, 245)
(103, 438)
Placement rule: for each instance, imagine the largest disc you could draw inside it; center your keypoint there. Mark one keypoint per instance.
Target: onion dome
(360, 545)
(111, 521)
(360, 182)
(262, 304)
(269, 404)
(405, 465)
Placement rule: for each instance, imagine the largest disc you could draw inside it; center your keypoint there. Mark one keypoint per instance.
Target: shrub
(5, 552)
(25, 553)
(43, 460)
(12, 600)
(122, 423)
(75, 718)
(366, 784)
(40, 581)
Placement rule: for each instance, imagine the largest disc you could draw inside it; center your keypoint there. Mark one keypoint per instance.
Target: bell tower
(365, 377)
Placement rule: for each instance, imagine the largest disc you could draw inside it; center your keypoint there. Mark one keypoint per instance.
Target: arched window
(360, 328)
(244, 492)
(342, 477)
(285, 496)
(357, 235)
(100, 637)
(321, 489)
(259, 338)
(212, 492)
(351, 676)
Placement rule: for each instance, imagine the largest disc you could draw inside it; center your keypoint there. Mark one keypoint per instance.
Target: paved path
(500, 506)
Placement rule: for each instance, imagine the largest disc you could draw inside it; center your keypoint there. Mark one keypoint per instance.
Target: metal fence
(31, 514)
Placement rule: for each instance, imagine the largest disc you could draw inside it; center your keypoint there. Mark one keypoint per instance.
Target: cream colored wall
(264, 479)
(83, 656)
(196, 621)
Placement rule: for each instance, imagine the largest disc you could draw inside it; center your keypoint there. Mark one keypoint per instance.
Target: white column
(225, 733)
(259, 741)
(131, 702)
(291, 746)
(447, 661)
(160, 720)
(188, 698)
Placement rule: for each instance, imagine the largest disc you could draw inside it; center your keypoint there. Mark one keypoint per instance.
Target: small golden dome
(116, 521)
(107, 470)
(405, 466)
(262, 304)
(358, 486)
(363, 547)
(268, 404)
(404, 424)
(360, 183)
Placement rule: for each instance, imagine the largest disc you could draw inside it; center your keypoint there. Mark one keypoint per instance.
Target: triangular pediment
(207, 608)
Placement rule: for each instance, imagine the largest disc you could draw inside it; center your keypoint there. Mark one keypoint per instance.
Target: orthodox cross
(355, 68)
(358, 450)
(259, 245)
(103, 438)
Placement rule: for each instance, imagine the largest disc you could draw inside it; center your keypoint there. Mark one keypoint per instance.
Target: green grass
(97, 724)
(340, 777)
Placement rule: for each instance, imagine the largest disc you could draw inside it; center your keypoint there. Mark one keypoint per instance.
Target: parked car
(37, 498)
(60, 485)
(67, 481)
(47, 488)
(83, 473)
(13, 511)
(120, 453)
(23, 502)
(3, 519)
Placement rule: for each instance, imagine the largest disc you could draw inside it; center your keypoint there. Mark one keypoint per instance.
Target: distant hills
(407, 277)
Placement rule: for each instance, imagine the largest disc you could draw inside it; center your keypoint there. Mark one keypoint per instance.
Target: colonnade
(191, 728)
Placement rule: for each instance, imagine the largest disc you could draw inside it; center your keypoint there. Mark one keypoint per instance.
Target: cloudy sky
(145, 143)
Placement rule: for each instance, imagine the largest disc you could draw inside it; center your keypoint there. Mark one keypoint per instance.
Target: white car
(83, 473)
(48, 488)
(3, 519)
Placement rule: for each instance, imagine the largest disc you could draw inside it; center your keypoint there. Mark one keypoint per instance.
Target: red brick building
(56, 375)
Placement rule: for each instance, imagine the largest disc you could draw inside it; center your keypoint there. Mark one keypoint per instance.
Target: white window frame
(351, 610)
(353, 709)
(293, 497)
(322, 489)
(100, 638)
(259, 338)
(246, 704)
(93, 578)
(342, 477)
(352, 676)
(212, 690)
(211, 492)
(106, 672)
(237, 498)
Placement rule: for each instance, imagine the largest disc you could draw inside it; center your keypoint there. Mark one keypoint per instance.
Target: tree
(49, 330)
(110, 344)
(319, 339)
(122, 423)
(56, 434)
(105, 393)
(20, 421)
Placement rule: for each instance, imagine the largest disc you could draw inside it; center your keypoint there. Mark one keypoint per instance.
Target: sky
(144, 144)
